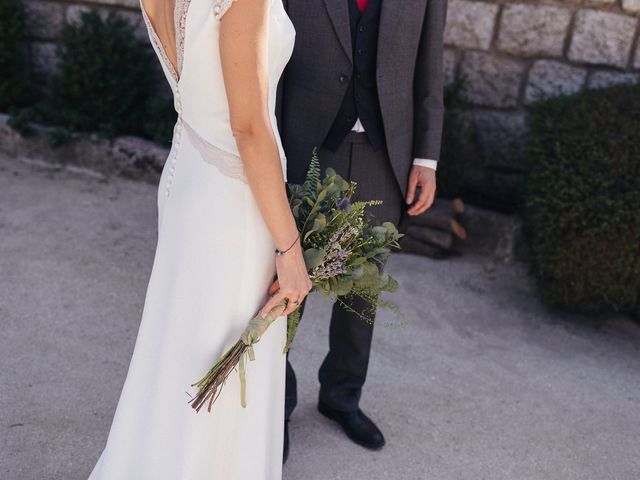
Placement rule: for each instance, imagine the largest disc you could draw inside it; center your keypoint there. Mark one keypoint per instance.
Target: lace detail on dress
(180, 20)
(221, 6)
(155, 40)
(229, 164)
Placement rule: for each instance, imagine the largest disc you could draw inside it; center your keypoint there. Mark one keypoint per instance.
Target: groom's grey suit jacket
(409, 79)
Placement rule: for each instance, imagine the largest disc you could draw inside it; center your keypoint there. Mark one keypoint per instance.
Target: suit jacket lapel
(390, 16)
(339, 13)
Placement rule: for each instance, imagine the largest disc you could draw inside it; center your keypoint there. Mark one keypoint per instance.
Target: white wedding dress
(214, 263)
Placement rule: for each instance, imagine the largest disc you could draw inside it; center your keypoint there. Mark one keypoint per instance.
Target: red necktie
(362, 4)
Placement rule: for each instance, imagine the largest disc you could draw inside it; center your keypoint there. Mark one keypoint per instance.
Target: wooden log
(440, 214)
(458, 206)
(411, 245)
(458, 230)
(433, 236)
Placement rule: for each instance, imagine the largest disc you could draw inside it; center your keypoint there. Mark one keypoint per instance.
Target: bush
(104, 78)
(582, 199)
(14, 78)
(161, 117)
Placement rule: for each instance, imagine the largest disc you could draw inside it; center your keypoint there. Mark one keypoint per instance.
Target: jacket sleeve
(428, 83)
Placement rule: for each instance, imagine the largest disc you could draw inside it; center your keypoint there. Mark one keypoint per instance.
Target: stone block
(130, 157)
(43, 58)
(500, 136)
(527, 30)
(138, 158)
(491, 80)
(74, 12)
(600, 3)
(631, 6)
(606, 78)
(449, 61)
(504, 188)
(602, 38)
(117, 3)
(44, 20)
(493, 233)
(470, 24)
(136, 21)
(549, 78)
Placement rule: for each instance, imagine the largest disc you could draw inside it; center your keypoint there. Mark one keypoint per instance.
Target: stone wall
(510, 53)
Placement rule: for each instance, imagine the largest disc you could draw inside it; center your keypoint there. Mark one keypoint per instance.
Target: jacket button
(361, 28)
(343, 78)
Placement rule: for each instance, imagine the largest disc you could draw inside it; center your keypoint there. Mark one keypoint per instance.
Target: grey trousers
(344, 370)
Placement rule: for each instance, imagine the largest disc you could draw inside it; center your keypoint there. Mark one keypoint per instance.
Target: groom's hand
(423, 178)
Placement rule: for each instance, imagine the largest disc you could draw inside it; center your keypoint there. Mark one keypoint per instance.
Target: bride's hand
(292, 284)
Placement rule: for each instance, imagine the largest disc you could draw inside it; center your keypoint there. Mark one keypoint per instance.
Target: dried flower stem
(211, 384)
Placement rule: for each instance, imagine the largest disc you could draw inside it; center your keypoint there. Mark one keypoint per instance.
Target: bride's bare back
(161, 16)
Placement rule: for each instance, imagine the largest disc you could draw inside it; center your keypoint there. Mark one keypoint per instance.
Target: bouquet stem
(293, 319)
(210, 385)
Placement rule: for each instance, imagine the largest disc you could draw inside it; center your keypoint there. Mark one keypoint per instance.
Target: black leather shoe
(358, 427)
(285, 451)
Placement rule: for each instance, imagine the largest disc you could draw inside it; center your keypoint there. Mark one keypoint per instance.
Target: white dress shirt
(422, 162)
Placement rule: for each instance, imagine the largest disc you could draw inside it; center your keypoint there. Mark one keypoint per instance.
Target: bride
(225, 229)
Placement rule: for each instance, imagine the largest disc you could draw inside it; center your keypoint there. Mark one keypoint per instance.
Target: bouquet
(344, 255)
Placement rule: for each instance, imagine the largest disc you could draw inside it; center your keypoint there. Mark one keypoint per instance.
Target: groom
(364, 84)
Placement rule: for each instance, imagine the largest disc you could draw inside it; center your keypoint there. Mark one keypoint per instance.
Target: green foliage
(582, 199)
(14, 78)
(104, 78)
(160, 118)
(344, 251)
(57, 137)
(21, 122)
(105, 82)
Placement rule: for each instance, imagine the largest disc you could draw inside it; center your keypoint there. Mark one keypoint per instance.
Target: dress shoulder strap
(220, 7)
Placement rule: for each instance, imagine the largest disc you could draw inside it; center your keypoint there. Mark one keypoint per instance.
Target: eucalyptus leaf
(343, 287)
(319, 224)
(392, 285)
(357, 272)
(379, 231)
(313, 257)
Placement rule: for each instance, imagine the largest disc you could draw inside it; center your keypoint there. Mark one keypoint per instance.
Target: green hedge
(106, 81)
(104, 77)
(14, 78)
(582, 199)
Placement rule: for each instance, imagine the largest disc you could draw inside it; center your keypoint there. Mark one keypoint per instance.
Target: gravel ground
(478, 380)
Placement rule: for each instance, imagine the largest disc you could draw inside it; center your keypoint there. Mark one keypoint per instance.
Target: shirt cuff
(425, 162)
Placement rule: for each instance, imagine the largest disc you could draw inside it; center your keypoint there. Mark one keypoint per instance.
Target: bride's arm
(243, 49)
